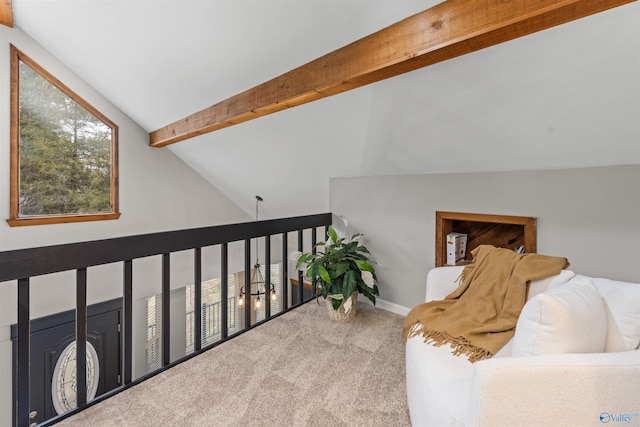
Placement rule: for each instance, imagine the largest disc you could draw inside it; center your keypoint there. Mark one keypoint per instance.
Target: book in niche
(456, 247)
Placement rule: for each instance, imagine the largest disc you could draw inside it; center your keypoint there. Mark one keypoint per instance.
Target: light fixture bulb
(273, 295)
(240, 301)
(258, 302)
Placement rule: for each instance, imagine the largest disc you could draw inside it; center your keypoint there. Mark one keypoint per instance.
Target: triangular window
(63, 152)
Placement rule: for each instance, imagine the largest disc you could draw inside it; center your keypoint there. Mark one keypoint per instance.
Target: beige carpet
(301, 369)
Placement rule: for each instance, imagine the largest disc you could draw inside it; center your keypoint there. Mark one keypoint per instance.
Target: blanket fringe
(460, 345)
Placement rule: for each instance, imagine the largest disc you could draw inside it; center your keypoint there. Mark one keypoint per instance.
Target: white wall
(590, 215)
(158, 192)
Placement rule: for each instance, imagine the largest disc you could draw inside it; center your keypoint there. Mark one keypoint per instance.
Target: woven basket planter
(341, 315)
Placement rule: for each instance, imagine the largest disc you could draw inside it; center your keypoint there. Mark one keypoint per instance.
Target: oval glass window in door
(64, 383)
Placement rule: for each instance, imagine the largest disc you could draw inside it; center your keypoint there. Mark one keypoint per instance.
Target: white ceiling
(566, 97)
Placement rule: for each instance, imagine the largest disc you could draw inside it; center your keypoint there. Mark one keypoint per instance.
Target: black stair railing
(23, 264)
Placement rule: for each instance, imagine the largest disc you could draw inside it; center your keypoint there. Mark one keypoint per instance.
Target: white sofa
(574, 361)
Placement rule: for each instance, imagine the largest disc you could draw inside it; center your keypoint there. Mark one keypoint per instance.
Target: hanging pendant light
(257, 280)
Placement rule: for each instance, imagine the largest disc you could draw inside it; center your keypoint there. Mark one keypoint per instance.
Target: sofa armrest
(564, 389)
(441, 281)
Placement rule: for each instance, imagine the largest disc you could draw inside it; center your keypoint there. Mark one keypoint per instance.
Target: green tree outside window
(66, 152)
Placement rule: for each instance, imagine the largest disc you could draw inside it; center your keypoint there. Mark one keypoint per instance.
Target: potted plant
(341, 272)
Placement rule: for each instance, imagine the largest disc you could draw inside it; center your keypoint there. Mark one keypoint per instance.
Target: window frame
(14, 193)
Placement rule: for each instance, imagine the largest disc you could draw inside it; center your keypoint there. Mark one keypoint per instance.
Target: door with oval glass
(53, 359)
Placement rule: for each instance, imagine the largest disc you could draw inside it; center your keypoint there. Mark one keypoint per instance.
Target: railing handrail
(21, 263)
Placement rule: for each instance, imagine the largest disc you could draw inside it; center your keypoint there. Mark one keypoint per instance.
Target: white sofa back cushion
(622, 308)
(539, 286)
(448, 279)
(569, 318)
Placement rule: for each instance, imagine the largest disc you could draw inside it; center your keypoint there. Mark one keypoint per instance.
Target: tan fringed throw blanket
(479, 317)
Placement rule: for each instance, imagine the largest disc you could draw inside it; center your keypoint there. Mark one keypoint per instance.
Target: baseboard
(389, 306)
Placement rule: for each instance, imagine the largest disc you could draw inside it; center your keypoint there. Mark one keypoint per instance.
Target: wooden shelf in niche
(502, 231)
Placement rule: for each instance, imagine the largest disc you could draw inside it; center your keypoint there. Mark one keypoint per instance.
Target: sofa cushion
(569, 318)
(438, 384)
(622, 308)
(539, 286)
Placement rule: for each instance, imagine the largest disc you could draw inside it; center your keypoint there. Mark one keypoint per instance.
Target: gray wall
(158, 192)
(589, 215)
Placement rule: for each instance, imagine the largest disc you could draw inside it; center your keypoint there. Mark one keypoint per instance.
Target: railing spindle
(166, 309)
(314, 250)
(127, 318)
(23, 356)
(247, 283)
(267, 276)
(284, 279)
(224, 292)
(81, 337)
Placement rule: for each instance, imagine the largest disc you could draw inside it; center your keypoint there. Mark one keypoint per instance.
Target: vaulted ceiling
(566, 97)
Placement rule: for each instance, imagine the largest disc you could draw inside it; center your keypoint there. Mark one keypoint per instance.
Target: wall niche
(504, 231)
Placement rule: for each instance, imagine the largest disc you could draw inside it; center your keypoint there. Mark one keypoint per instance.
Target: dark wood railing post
(127, 320)
(81, 337)
(23, 355)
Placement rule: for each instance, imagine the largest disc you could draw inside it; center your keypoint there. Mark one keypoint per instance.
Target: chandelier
(257, 280)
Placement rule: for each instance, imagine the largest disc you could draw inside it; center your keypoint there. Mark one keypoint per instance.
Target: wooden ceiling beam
(447, 30)
(6, 13)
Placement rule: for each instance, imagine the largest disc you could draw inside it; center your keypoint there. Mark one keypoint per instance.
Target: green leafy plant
(342, 269)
